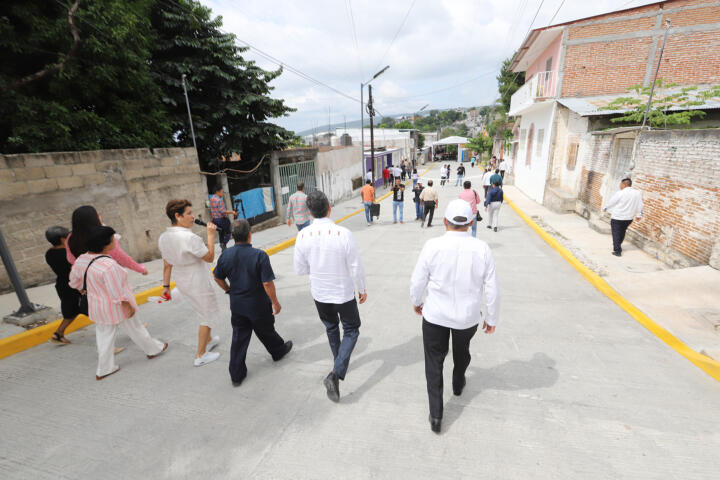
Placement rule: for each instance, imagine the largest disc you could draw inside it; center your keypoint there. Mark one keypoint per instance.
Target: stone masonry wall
(129, 188)
(594, 164)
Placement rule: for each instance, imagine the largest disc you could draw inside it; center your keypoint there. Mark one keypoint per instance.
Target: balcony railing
(539, 87)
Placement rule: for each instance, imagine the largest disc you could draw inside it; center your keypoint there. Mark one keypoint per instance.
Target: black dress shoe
(435, 424)
(458, 387)
(288, 346)
(495, 229)
(617, 254)
(237, 384)
(332, 385)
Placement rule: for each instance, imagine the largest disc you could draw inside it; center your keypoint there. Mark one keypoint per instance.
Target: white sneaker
(209, 357)
(214, 342)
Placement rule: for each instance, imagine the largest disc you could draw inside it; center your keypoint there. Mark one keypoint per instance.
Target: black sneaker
(435, 424)
(617, 254)
(288, 346)
(332, 385)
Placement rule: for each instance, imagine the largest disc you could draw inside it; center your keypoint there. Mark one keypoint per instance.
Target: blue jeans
(415, 180)
(459, 180)
(368, 216)
(474, 228)
(418, 210)
(397, 206)
(300, 226)
(331, 314)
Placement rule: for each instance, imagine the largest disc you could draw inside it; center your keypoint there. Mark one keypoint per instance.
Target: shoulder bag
(83, 302)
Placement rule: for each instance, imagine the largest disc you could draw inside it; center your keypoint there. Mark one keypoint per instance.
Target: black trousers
(502, 174)
(435, 341)
(428, 209)
(619, 227)
(264, 328)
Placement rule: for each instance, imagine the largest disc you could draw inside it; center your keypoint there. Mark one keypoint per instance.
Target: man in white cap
(451, 268)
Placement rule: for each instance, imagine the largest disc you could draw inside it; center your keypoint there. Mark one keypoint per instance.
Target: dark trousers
(619, 227)
(435, 342)
(502, 174)
(224, 227)
(332, 314)
(264, 328)
(428, 210)
(486, 188)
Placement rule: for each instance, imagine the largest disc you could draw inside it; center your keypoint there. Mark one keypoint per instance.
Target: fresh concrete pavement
(569, 386)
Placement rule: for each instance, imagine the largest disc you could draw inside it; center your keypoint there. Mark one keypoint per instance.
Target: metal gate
(291, 174)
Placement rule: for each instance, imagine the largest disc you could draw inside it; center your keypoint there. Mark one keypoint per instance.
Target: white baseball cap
(459, 212)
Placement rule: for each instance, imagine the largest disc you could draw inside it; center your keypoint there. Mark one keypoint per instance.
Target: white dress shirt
(368, 175)
(626, 204)
(486, 178)
(328, 253)
(456, 269)
(397, 172)
(503, 166)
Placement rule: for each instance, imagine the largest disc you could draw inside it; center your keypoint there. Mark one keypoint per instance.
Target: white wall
(531, 179)
(335, 170)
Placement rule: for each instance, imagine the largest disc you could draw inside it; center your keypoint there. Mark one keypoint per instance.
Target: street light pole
(187, 102)
(26, 307)
(362, 128)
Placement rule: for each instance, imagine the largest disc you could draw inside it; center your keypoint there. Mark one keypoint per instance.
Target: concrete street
(569, 386)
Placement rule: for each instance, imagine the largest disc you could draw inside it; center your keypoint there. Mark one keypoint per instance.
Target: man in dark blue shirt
(253, 302)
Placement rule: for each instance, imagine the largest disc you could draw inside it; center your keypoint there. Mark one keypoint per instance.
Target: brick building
(563, 154)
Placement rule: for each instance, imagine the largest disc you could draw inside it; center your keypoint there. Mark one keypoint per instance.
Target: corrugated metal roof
(593, 106)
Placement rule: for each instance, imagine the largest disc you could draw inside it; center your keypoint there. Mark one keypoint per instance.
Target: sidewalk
(683, 301)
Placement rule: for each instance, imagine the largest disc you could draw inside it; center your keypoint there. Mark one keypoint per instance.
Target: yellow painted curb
(30, 338)
(706, 364)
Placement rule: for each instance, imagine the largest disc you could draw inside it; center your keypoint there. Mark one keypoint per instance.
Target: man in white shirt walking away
(328, 253)
(626, 204)
(451, 268)
(502, 168)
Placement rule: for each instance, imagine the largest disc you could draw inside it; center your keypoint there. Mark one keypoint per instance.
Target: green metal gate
(291, 174)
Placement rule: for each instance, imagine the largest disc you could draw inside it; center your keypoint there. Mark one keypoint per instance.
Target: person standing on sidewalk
(460, 174)
(328, 253)
(502, 168)
(56, 258)
(626, 205)
(417, 190)
(187, 255)
(368, 198)
(472, 197)
(429, 197)
(451, 268)
(111, 302)
(253, 301)
(297, 208)
(493, 202)
(398, 200)
(219, 214)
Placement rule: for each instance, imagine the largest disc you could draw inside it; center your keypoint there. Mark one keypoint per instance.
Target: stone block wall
(128, 187)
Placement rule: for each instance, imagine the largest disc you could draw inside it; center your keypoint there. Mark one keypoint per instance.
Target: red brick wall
(611, 66)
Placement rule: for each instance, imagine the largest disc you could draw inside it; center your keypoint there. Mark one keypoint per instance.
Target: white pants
(105, 337)
(494, 213)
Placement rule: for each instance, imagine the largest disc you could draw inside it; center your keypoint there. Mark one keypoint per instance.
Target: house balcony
(541, 86)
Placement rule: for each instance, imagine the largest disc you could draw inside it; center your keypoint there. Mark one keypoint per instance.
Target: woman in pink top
(110, 300)
(472, 197)
(83, 219)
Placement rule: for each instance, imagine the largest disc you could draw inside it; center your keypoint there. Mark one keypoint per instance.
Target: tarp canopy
(451, 141)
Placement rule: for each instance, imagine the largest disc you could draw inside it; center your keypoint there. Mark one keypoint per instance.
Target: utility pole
(187, 102)
(371, 113)
(362, 122)
(657, 69)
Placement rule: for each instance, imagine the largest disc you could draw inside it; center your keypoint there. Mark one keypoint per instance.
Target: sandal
(159, 353)
(58, 339)
(103, 376)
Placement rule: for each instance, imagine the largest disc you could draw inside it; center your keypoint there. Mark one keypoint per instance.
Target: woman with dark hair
(111, 302)
(83, 220)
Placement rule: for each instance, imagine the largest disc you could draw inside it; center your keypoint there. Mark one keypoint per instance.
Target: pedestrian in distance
(415, 177)
(391, 168)
(297, 208)
(472, 162)
(429, 197)
(219, 214)
(451, 268)
(368, 198)
(328, 254)
(186, 256)
(626, 205)
(398, 191)
(486, 181)
(460, 174)
(386, 177)
(369, 175)
(472, 197)
(83, 220)
(397, 172)
(111, 301)
(253, 300)
(496, 178)
(403, 170)
(502, 168)
(417, 190)
(443, 175)
(493, 202)
(56, 258)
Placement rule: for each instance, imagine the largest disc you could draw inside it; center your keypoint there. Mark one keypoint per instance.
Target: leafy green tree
(508, 83)
(102, 97)
(229, 96)
(387, 122)
(480, 144)
(403, 124)
(421, 141)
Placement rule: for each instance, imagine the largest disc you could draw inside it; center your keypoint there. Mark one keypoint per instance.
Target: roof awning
(455, 140)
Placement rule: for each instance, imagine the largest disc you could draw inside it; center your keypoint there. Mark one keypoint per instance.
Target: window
(548, 64)
(572, 156)
(529, 148)
(539, 141)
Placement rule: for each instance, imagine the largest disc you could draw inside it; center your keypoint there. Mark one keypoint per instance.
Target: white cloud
(443, 43)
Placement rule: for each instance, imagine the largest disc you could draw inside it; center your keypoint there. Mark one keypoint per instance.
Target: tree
(508, 83)
(387, 122)
(102, 97)
(229, 96)
(421, 140)
(480, 144)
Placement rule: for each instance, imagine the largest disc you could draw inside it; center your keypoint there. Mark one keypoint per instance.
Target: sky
(444, 53)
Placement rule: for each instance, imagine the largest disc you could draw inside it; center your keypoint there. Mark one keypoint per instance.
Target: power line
(557, 11)
(348, 7)
(402, 24)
